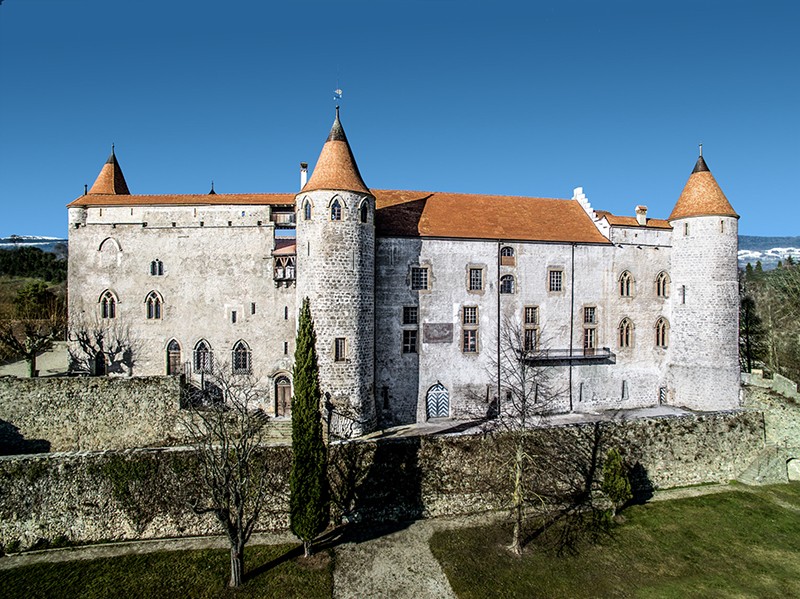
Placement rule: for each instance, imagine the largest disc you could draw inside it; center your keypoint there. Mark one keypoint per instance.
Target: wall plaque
(437, 332)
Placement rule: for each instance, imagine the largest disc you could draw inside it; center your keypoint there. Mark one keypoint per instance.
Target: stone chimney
(303, 174)
(641, 215)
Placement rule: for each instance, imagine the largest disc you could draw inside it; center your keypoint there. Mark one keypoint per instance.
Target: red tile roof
(336, 167)
(702, 196)
(110, 180)
(472, 216)
(214, 199)
(630, 221)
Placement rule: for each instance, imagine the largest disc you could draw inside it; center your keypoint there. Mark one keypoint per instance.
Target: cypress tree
(310, 496)
(616, 484)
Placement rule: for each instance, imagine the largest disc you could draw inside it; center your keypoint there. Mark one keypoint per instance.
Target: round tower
(704, 326)
(336, 271)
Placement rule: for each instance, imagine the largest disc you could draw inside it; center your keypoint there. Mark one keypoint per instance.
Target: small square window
(470, 315)
(410, 315)
(475, 279)
(470, 341)
(556, 280)
(590, 315)
(419, 278)
(410, 341)
(339, 350)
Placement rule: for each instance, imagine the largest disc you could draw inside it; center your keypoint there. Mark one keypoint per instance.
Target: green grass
(733, 544)
(271, 571)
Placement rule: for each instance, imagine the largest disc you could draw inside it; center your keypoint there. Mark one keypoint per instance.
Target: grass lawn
(272, 571)
(733, 544)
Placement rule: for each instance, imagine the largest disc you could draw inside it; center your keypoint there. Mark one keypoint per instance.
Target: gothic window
(307, 210)
(662, 284)
(625, 333)
(108, 305)
(203, 357)
(507, 257)
(153, 303)
(419, 278)
(662, 333)
(156, 268)
(240, 358)
(626, 284)
(475, 279)
(364, 212)
(507, 284)
(556, 280)
(336, 210)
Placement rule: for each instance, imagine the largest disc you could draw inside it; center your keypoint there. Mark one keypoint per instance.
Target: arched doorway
(283, 397)
(437, 401)
(174, 357)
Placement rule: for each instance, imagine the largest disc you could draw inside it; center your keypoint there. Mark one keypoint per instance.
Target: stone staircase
(277, 432)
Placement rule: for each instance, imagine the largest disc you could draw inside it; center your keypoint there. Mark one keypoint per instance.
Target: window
(336, 210)
(590, 315)
(156, 268)
(589, 340)
(469, 315)
(685, 229)
(410, 341)
(108, 305)
(173, 357)
(410, 315)
(153, 302)
(306, 210)
(202, 357)
(531, 330)
(470, 341)
(252, 308)
(531, 339)
(683, 294)
(419, 278)
(556, 280)
(662, 285)
(364, 212)
(662, 333)
(589, 330)
(475, 279)
(507, 257)
(626, 284)
(286, 312)
(285, 348)
(531, 314)
(339, 349)
(233, 316)
(625, 333)
(507, 284)
(240, 358)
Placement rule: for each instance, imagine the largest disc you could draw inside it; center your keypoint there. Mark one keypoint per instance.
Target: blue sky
(510, 98)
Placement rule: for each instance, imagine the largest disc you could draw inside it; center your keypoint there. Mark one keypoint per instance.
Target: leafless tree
(226, 424)
(101, 346)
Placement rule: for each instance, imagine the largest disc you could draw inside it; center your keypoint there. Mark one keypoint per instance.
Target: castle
(409, 291)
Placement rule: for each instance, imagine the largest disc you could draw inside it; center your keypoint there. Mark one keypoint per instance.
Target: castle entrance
(283, 397)
(438, 401)
(174, 357)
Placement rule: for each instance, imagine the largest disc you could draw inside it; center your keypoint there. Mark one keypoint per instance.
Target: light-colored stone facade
(645, 311)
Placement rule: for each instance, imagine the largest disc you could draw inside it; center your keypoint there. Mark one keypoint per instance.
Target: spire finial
(112, 147)
(337, 112)
(212, 192)
(701, 149)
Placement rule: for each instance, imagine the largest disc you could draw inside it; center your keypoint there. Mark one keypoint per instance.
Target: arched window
(108, 305)
(240, 358)
(283, 396)
(625, 333)
(507, 284)
(153, 302)
(156, 268)
(662, 284)
(203, 357)
(507, 257)
(626, 284)
(662, 332)
(336, 210)
(307, 210)
(173, 357)
(364, 212)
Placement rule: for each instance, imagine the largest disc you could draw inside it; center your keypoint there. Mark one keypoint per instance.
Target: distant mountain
(768, 250)
(55, 245)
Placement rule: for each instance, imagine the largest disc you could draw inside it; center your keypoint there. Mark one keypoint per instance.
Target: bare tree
(226, 422)
(100, 346)
(528, 394)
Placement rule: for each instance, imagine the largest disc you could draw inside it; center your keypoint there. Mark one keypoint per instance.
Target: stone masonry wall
(143, 493)
(66, 414)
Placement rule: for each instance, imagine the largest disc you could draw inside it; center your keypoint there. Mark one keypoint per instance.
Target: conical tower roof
(702, 196)
(110, 180)
(336, 167)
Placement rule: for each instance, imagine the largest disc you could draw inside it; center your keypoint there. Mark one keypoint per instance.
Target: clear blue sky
(527, 98)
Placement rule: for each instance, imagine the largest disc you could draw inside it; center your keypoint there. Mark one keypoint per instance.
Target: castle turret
(336, 271)
(110, 180)
(704, 329)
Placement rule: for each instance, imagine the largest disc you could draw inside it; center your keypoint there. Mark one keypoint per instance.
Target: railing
(603, 354)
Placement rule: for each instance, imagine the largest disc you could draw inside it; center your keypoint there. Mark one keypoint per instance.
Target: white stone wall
(210, 271)
(704, 349)
(336, 271)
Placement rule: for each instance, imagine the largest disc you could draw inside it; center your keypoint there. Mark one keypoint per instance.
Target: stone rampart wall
(76, 413)
(144, 493)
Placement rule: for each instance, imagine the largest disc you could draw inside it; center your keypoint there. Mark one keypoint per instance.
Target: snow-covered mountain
(768, 250)
(47, 244)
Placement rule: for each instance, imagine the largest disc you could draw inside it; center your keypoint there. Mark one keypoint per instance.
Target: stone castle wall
(143, 493)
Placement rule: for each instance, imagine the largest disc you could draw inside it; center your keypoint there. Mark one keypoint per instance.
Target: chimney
(303, 174)
(641, 215)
